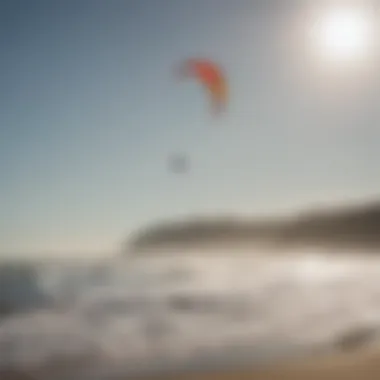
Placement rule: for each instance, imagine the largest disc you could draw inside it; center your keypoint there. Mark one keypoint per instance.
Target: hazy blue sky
(90, 112)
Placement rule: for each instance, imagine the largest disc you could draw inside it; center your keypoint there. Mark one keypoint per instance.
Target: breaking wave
(151, 314)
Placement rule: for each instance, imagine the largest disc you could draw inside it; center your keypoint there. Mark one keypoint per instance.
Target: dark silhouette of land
(19, 289)
(355, 227)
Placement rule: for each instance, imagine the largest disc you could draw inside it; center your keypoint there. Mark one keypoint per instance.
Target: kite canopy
(211, 76)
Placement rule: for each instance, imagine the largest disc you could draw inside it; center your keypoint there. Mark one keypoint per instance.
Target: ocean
(194, 311)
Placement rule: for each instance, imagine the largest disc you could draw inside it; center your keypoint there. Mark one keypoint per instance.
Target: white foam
(128, 315)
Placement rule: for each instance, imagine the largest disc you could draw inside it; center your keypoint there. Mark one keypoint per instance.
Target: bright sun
(344, 34)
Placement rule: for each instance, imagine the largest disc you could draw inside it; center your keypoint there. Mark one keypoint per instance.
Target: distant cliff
(351, 227)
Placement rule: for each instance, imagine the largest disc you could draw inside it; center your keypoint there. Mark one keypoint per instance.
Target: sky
(91, 111)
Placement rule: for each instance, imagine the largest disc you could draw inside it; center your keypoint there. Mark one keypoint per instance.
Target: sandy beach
(364, 365)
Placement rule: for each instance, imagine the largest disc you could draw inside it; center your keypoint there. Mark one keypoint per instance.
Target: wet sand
(364, 365)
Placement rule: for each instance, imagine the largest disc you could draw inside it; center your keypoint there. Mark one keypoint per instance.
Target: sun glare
(344, 34)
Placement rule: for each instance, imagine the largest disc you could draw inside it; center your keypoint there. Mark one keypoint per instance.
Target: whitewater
(136, 315)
